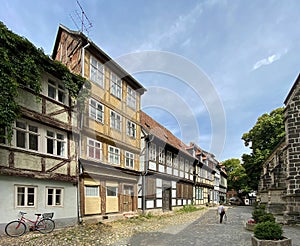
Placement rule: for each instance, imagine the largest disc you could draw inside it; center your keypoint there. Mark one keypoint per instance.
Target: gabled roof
(107, 59)
(154, 128)
(292, 90)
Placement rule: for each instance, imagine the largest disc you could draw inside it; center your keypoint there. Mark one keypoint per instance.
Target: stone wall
(292, 126)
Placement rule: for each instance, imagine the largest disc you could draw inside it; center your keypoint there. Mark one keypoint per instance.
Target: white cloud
(180, 26)
(269, 60)
(186, 42)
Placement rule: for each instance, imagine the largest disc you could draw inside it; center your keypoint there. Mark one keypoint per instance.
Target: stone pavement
(206, 230)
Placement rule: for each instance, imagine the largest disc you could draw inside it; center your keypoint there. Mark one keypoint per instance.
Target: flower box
(250, 226)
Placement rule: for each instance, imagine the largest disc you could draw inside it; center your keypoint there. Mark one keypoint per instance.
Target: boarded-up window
(185, 191)
(179, 191)
(190, 191)
(150, 184)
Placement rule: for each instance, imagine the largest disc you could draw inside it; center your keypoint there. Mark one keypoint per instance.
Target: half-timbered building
(110, 139)
(167, 169)
(203, 176)
(38, 168)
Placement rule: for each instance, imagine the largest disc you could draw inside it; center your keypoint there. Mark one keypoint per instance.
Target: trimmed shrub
(268, 231)
(266, 217)
(258, 213)
(261, 206)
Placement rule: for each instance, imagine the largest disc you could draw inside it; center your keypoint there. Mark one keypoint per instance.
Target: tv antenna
(77, 17)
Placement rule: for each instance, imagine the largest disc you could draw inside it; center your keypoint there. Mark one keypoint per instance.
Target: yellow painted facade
(107, 153)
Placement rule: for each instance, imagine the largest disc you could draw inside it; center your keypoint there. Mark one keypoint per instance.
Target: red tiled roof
(159, 131)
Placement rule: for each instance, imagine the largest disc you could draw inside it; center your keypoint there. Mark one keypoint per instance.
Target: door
(166, 194)
(128, 198)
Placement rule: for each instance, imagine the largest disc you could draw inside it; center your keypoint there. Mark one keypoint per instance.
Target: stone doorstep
(129, 215)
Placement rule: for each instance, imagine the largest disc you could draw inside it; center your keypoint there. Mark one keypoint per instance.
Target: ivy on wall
(22, 65)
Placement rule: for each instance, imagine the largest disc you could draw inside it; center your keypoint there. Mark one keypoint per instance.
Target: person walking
(221, 212)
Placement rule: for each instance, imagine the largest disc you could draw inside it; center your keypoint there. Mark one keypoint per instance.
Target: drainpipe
(144, 179)
(79, 140)
(145, 173)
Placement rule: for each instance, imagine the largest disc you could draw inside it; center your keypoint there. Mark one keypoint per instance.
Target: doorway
(166, 196)
(128, 198)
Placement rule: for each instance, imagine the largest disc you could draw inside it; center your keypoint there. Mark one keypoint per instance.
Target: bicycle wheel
(45, 226)
(15, 228)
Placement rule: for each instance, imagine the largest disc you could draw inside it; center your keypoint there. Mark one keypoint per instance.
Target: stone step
(129, 215)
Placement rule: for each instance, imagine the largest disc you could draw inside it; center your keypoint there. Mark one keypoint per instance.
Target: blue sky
(248, 50)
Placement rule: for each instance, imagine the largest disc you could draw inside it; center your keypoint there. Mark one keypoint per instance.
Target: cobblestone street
(207, 231)
(196, 228)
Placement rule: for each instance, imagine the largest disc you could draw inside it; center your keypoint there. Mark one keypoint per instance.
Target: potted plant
(259, 215)
(250, 224)
(269, 233)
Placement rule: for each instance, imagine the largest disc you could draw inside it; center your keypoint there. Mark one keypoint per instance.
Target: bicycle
(43, 223)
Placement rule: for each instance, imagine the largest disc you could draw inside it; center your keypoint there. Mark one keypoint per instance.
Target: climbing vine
(22, 64)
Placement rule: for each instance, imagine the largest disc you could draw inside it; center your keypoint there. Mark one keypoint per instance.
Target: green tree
(237, 177)
(262, 139)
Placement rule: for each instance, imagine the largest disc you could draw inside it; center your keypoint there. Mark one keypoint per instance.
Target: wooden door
(128, 198)
(166, 203)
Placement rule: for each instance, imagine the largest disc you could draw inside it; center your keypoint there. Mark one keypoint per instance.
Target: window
(209, 175)
(92, 191)
(199, 193)
(176, 161)
(131, 129)
(115, 120)
(115, 85)
(27, 136)
(25, 196)
(57, 91)
(169, 158)
(161, 157)
(181, 163)
(152, 152)
(111, 191)
(113, 155)
(97, 72)
(201, 173)
(55, 143)
(94, 149)
(131, 97)
(32, 136)
(54, 196)
(191, 168)
(96, 110)
(129, 159)
(187, 166)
